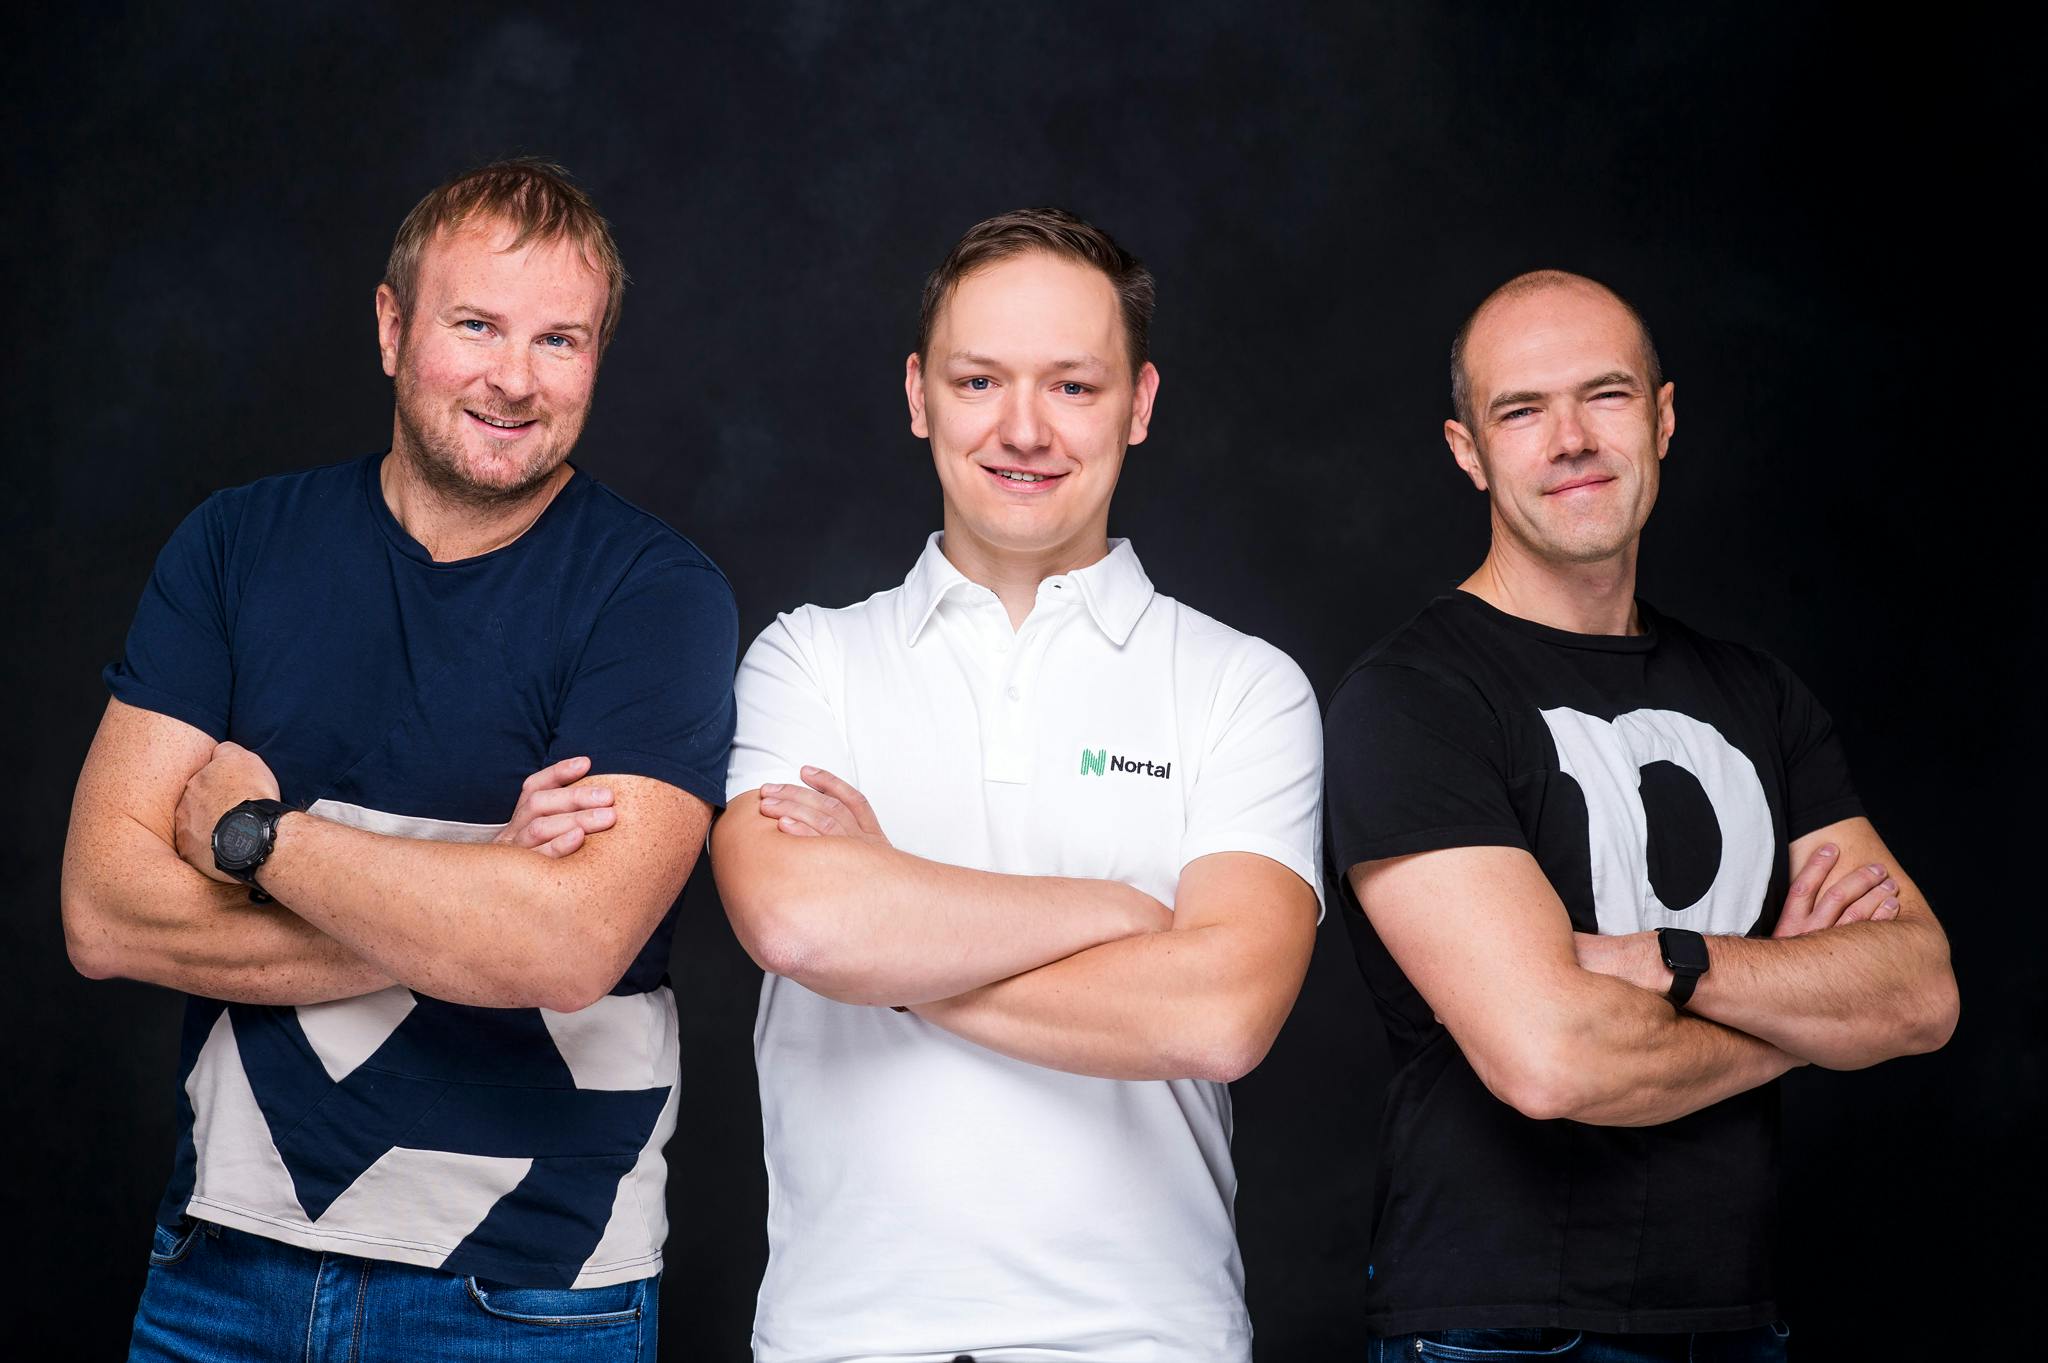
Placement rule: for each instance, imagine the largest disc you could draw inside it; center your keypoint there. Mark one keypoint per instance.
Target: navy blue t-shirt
(296, 617)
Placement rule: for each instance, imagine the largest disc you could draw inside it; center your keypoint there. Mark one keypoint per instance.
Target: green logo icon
(1093, 761)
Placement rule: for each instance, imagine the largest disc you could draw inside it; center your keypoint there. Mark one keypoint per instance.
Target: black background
(1817, 213)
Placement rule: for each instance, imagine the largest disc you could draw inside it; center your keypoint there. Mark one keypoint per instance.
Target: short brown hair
(1056, 232)
(1534, 282)
(536, 198)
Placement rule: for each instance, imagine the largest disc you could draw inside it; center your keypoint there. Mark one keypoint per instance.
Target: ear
(1667, 417)
(1465, 450)
(390, 326)
(1143, 395)
(913, 393)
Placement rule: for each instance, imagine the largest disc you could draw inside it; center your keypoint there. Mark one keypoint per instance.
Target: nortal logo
(1094, 763)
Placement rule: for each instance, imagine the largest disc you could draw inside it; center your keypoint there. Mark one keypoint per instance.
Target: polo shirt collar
(1114, 589)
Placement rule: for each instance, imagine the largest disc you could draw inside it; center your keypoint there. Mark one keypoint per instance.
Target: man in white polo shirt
(1029, 852)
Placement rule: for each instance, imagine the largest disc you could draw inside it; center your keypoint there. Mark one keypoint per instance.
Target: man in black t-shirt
(1572, 825)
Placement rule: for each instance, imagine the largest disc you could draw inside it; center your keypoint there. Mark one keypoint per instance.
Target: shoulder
(238, 521)
(638, 544)
(1435, 651)
(1727, 657)
(1227, 654)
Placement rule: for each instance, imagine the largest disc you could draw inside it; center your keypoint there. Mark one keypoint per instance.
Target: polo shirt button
(1011, 693)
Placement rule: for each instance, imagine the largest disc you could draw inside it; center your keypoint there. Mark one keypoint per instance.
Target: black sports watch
(1685, 956)
(243, 838)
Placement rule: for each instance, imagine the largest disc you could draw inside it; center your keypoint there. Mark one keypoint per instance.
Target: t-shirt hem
(413, 1252)
(1273, 849)
(1550, 1315)
(1811, 820)
(1429, 840)
(142, 696)
(626, 762)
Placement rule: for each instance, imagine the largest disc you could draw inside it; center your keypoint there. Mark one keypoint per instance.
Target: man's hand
(554, 814)
(233, 774)
(824, 806)
(1867, 893)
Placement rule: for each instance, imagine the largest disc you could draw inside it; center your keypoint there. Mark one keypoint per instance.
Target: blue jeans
(1764, 1344)
(216, 1294)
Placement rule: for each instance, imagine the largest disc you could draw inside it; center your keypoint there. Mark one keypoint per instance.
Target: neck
(1014, 574)
(451, 528)
(1583, 598)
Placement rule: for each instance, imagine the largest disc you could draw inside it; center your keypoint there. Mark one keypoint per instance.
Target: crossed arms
(1089, 976)
(511, 923)
(1559, 1024)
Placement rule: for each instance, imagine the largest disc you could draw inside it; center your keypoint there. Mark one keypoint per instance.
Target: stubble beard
(436, 455)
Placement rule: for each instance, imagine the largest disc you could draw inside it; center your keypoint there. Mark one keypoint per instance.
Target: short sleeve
(177, 660)
(786, 720)
(651, 694)
(1415, 764)
(1261, 775)
(1819, 790)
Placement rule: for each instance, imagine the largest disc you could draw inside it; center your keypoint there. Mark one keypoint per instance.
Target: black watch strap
(1685, 956)
(243, 839)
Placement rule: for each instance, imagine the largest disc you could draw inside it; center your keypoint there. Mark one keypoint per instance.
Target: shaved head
(1523, 286)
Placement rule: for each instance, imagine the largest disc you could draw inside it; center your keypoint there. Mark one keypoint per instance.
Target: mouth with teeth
(498, 427)
(1023, 480)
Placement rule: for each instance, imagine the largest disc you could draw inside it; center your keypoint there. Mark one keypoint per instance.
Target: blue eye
(477, 328)
(555, 342)
(1074, 390)
(977, 384)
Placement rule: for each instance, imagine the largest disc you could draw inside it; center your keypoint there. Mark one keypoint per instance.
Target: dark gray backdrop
(1811, 211)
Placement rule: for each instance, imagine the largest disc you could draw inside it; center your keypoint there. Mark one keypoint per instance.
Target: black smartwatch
(1685, 956)
(243, 838)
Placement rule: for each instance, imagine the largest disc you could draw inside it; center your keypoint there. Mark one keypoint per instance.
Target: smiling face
(1567, 433)
(1027, 396)
(495, 364)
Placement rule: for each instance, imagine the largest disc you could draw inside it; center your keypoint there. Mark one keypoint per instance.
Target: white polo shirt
(927, 1197)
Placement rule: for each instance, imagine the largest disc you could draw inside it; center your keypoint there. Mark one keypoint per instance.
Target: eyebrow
(1613, 378)
(1083, 361)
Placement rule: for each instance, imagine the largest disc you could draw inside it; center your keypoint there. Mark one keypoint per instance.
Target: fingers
(1797, 916)
(563, 799)
(535, 833)
(1881, 899)
(814, 811)
(558, 774)
(563, 845)
(817, 778)
(1849, 888)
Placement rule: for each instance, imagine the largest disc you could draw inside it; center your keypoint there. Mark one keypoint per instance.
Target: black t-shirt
(1658, 780)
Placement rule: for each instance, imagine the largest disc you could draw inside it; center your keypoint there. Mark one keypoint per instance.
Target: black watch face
(240, 839)
(1684, 950)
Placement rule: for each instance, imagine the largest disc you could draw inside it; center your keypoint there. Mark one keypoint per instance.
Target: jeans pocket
(619, 1303)
(1476, 1346)
(169, 1245)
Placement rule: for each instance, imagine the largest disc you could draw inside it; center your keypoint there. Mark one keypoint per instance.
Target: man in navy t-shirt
(429, 1059)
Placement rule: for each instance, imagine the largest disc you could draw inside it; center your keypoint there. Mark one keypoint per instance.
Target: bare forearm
(1167, 1005)
(1625, 1057)
(866, 923)
(1845, 997)
(164, 923)
(475, 923)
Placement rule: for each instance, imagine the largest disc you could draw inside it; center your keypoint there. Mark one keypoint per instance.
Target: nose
(511, 373)
(1572, 436)
(1022, 426)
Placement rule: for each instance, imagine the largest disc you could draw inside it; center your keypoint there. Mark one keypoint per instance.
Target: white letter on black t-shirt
(1606, 759)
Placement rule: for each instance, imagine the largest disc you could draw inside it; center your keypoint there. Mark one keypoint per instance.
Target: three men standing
(1029, 853)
